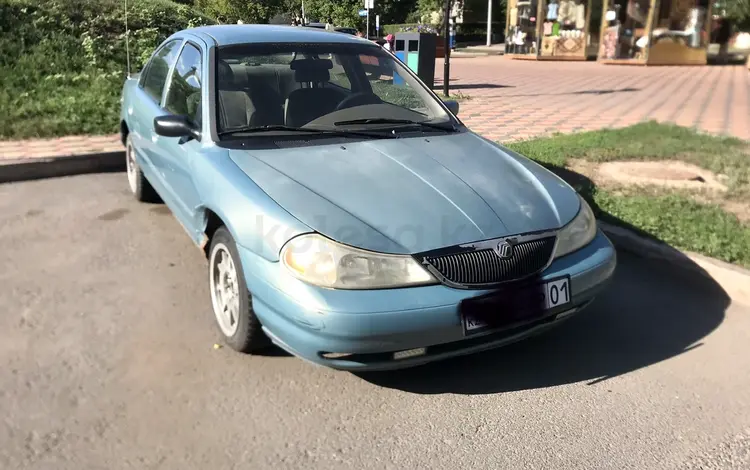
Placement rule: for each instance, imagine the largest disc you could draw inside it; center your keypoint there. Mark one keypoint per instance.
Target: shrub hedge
(63, 61)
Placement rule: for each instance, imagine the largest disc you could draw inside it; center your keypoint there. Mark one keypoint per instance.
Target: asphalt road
(107, 361)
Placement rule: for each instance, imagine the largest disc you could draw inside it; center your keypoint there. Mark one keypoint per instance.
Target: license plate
(514, 306)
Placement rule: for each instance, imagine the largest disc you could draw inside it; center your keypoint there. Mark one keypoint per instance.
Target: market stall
(655, 32)
(548, 29)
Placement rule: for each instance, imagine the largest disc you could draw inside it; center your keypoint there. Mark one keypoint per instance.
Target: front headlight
(578, 233)
(323, 262)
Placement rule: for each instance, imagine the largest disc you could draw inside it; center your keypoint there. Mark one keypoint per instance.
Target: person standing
(329, 24)
(388, 46)
(722, 37)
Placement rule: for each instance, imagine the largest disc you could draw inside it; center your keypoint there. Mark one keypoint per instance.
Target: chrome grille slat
(483, 266)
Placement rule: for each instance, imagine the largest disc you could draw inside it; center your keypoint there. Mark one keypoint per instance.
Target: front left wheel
(230, 298)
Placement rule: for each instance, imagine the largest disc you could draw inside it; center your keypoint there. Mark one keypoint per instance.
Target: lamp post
(447, 55)
(489, 23)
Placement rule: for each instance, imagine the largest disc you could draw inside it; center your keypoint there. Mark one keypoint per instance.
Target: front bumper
(309, 321)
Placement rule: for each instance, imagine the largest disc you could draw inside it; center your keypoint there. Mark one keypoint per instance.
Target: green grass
(681, 222)
(455, 96)
(669, 215)
(647, 141)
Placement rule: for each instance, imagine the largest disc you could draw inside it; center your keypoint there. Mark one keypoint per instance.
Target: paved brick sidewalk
(514, 99)
(60, 147)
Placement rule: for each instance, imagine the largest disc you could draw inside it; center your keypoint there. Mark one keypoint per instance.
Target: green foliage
(681, 222)
(736, 10)
(394, 11)
(230, 11)
(345, 12)
(387, 29)
(63, 61)
(342, 12)
(425, 7)
(432, 11)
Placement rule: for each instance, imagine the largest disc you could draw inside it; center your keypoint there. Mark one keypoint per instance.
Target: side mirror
(175, 126)
(452, 105)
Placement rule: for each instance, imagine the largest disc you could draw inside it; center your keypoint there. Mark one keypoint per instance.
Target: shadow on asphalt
(651, 312)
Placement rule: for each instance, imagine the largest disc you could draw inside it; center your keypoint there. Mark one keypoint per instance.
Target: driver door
(149, 94)
(184, 97)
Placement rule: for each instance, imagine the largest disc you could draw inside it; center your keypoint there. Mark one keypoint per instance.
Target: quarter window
(184, 94)
(156, 72)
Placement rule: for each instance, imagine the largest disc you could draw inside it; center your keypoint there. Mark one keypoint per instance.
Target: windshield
(319, 86)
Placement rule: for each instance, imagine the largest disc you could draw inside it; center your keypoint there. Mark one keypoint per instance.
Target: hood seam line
(472, 190)
(327, 200)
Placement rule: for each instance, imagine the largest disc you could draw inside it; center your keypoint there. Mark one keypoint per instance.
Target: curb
(468, 55)
(734, 280)
(476, 52)
(52, 167)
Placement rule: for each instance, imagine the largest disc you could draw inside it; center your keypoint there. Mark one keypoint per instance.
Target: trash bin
(417, 51)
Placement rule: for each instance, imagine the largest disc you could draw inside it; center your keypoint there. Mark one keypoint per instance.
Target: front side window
(156, 72)
(319, 86)
(184, 94)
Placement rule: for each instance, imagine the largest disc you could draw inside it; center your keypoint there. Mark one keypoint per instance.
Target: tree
(342, 12)
(230, 11)
(736, 10)
(432, 11)
(394, 11)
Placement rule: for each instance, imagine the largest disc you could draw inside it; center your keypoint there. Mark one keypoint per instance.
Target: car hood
(411, 195)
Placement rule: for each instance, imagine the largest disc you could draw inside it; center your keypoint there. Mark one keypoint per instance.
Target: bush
(465, 32)
(396, 28)
(63, 61)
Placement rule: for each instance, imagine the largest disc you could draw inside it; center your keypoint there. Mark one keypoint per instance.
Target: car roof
(224, 35)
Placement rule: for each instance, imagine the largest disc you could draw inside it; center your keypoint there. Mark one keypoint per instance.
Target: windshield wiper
(408, 122)
(310, 130)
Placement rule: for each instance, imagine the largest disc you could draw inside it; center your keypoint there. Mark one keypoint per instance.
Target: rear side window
(156, 72)
(184, 95)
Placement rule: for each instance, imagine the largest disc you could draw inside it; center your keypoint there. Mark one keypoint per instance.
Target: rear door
(150, 93)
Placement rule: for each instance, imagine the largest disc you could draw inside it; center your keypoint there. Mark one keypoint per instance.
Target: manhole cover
(670, 173)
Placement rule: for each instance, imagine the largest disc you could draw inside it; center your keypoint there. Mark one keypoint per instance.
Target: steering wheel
(358, 99)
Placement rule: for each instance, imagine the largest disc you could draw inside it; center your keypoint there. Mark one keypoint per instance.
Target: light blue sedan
(347, 215)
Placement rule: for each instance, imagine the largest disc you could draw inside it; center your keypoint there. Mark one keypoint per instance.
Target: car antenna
(127, 37)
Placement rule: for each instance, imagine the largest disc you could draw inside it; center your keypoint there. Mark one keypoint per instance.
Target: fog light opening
(333, 355)
(409, 353)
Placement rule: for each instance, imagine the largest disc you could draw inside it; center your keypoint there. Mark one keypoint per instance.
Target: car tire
(139, 185)
(231, 300)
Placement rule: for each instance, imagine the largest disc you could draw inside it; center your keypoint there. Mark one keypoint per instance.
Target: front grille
(484, 266)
